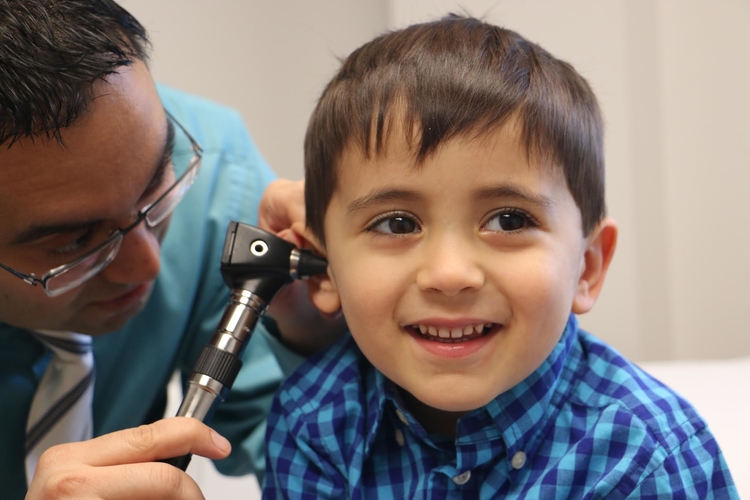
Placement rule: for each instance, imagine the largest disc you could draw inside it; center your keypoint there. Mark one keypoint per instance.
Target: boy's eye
(509, 221)
(395, 224)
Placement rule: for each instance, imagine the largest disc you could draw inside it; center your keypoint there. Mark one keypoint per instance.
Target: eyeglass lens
(83, 270)
(160, 210)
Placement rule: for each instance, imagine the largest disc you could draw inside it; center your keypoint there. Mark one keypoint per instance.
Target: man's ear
(600, 247)
(321, 288)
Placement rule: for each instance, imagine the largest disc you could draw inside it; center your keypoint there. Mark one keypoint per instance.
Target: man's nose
(450, 265)
(138, 260)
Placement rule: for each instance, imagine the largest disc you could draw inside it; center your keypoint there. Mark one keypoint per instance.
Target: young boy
(455, 182)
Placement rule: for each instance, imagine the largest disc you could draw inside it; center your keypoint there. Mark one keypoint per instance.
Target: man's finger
(282, 204)
(167, 438)
(142, 481)
(149, 481)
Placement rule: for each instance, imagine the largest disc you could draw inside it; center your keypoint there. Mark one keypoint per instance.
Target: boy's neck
(435, 421)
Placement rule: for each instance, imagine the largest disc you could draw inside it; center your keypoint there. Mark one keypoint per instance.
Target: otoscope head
(260, 262)
(308, 265)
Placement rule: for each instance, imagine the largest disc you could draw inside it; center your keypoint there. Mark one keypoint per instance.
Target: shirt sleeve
(297, 468)
(696, 469)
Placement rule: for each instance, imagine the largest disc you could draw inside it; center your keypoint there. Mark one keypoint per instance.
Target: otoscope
(255, 265)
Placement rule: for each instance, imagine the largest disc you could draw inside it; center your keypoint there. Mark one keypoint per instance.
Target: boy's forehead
(401, 143)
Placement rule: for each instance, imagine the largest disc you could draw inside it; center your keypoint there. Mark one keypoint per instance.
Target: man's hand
(302, 327)
(122, 465)
(282, 206)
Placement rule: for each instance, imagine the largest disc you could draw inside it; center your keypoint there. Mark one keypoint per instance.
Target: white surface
(218, 487)
(719, 391)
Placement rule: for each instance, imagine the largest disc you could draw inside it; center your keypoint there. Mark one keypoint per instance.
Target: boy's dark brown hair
(456, 77)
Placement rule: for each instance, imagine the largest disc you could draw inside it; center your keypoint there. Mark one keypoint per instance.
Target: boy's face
(457, 277)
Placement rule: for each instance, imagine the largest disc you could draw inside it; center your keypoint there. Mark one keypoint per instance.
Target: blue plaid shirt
(586, 424)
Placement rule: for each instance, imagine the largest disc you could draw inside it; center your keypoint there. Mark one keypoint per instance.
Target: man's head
(455, 180)
(451, 78)
(86, 145)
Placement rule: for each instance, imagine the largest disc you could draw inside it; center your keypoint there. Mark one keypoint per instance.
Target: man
(115, 195)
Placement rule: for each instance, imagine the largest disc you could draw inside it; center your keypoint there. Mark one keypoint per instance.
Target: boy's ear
(324, 295)
(600, 247)
(321, 288)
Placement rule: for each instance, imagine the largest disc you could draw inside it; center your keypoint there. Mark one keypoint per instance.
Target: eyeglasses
(67, 277)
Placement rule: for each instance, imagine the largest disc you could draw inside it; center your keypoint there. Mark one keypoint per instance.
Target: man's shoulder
(216, 127)
(184, 104)
(335, 377)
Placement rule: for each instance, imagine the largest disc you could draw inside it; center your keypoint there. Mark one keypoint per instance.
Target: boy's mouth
(452, 335)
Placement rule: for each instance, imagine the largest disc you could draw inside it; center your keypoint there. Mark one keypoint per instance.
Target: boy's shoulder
(606, 383)
(337, 375)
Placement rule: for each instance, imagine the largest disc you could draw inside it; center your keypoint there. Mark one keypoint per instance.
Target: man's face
(456, 277)
(58, 201)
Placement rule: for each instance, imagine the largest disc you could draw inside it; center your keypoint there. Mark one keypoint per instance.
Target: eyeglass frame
(119, 233)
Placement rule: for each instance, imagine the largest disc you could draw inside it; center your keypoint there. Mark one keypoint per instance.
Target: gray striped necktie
(61, 409)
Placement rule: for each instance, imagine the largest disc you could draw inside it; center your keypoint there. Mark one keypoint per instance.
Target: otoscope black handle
(179, 462)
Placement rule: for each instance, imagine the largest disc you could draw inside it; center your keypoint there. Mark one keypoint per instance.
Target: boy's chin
(458, 402)
(463, 405)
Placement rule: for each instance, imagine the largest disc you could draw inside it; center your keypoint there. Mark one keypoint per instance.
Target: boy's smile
(456, 276)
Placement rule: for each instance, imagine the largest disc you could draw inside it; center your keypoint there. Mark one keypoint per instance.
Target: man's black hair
(51, 53)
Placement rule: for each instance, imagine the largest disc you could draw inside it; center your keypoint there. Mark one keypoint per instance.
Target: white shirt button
(400, 437)
(462, 478)
(401, 417)
(518, 460)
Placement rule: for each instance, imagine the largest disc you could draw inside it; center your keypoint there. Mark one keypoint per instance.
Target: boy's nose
(450, 267)
(138, 260)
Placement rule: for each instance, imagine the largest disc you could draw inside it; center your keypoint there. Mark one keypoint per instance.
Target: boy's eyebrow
(43, 230)
(517, 192)
(381, 196)
(501, 191)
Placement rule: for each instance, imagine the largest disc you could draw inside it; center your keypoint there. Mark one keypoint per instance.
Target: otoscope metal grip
(255, 265)
(219, 361)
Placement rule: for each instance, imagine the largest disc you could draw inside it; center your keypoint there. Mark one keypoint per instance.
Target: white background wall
(673, 79)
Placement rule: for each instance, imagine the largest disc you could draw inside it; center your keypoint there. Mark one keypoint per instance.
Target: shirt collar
(517, 415)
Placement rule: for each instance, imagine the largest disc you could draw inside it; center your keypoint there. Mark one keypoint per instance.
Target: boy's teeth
(453, 333)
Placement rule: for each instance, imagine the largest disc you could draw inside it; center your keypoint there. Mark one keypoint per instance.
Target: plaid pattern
(586, 424)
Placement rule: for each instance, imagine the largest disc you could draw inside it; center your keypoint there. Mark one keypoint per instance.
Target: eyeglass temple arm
(255, 264)
(28, 278)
